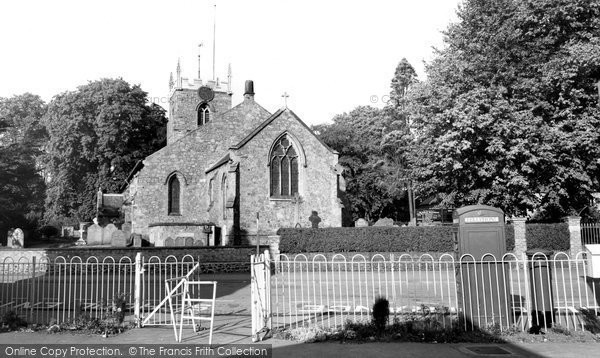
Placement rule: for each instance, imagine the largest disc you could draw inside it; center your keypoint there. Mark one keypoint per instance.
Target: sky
(329, 56)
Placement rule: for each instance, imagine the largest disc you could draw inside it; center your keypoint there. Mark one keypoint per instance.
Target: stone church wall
(183, 116)
(189, 158)
(317, 181)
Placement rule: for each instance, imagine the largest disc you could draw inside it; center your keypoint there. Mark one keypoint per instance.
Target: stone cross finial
(285, 96)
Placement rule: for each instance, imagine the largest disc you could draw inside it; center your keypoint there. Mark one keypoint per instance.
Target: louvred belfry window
(174, 196)
(284, 169)
(203, 114)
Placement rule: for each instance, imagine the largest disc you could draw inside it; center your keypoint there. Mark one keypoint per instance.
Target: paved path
(236, 329)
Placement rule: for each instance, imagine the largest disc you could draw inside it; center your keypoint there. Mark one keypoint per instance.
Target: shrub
(408, 239)
(367, 239)
(117, 310)
(48, 231)
(308, 334)
(13, 320)
(553, 237)
(381, 313)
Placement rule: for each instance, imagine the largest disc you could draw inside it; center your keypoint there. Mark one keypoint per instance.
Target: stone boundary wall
(214, 254)
(26, 256)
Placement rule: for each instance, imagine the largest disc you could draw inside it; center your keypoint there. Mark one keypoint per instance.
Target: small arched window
(284, 169)
(203, 114)
(174, 195)
(211, 197)
(224, 189)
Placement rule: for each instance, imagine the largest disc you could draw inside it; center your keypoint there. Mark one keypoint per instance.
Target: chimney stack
(249, 90)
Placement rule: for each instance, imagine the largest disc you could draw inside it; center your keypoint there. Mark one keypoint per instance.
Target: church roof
(138, 166)
(232, 125)
(221, 161)
(269, 120)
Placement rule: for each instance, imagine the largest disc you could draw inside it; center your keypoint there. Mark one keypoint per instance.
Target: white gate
(261, 296)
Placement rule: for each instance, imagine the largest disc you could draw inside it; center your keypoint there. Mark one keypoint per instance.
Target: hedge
(367, 239)
(553, 237)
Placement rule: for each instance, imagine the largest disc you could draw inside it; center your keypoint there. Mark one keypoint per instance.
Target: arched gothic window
(174, 195)
(203, 114)
(211, 197)
(284, 169)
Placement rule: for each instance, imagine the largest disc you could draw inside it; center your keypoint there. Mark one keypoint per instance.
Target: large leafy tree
(372, 145)
(509, 114)
(21, 139)
(96, 135)
(357, 137)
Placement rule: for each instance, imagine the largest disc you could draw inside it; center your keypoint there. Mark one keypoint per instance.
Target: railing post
(31, 290)
(138, 288)
(268, 308)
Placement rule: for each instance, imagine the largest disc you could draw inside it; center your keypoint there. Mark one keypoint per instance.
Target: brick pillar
(274, 247)
(574, 233)
(520, 239)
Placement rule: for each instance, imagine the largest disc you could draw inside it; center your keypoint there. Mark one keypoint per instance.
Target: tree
(509, 113)
(404, 77)
(357, 137)
(396, 143)
(21, 139)
(96, 135)
(20, 120)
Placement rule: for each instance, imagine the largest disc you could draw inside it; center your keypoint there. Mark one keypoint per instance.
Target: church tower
(195, 103)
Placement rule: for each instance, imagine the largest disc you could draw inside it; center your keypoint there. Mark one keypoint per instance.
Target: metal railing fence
(590, 233)
(62, 290)
(44, 291)
(466, 293)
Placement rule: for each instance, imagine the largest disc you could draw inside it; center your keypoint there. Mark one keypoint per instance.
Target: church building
(229, 174)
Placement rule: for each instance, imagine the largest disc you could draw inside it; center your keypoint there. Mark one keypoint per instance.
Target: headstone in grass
(118, 239)
(107, 235)
(94, 235)
(384, 222)
(17, 239)
(361, 223)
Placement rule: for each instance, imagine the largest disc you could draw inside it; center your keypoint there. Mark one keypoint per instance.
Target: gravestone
(314, 220)
(9, 238)
(169, 242)
(384, 222)
(67, 231)
(118, 239)
(126, 228)
(83, 229)
(361, 223)
(17, 239)
(180, 241)
(189, 241)
(136, 240)
(94, 235)
(82, 233)
(107, 235)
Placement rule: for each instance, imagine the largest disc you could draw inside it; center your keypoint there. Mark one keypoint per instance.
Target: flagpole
(214, 38)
